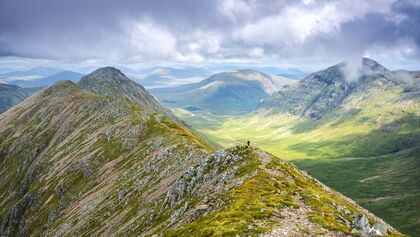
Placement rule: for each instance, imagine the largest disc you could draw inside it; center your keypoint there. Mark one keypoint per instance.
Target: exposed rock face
(90, 163)
(362, 226)
(323, 91)
(362, 223)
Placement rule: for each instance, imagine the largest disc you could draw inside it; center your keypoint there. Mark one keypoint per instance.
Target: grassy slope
(75, 156)
(262, 203)
(78, 163)
(376, 138)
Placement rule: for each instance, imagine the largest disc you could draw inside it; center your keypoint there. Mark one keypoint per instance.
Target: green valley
(366, 148)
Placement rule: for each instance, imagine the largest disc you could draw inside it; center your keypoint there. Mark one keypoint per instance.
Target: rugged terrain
(101, 157)
(223, 93)
(322, 92)
(360, 136)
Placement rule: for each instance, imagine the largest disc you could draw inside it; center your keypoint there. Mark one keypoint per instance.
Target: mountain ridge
(75, 161)
(321, 92)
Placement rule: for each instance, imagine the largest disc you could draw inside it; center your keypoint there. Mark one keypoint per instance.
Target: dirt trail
(291, 221)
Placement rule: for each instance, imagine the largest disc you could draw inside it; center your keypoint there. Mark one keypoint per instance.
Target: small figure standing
(249, 145)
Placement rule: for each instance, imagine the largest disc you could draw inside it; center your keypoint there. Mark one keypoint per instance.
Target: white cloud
(235, 9)
(292, 26)
(301, 32)
(256, 52)
(151, 41)
(189, 58)
(295, 24)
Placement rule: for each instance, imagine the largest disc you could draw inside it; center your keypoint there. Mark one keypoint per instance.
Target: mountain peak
(110, 81)
(104, 74)
(362, 66)
(371, 65)
(325, 90)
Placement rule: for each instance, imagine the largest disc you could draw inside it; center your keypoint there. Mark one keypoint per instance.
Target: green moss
(252, 164)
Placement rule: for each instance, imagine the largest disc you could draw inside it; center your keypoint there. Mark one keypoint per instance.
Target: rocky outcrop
(362, 226)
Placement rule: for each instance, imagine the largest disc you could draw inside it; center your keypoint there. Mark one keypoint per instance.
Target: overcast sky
(286, 33)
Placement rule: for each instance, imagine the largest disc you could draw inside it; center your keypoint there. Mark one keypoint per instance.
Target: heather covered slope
(76, 162)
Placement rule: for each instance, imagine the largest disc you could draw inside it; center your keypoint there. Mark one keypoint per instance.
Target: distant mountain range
(38, 71)
(38, 77)
(11, 95)
(149, 77)
(48, 80)
(160, 77)
(223, 93)
(103, 157)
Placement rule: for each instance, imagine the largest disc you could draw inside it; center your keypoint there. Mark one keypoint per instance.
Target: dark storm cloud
(207, 31)
(410, 25)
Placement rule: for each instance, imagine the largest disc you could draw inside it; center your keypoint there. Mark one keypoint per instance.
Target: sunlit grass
(366, 137)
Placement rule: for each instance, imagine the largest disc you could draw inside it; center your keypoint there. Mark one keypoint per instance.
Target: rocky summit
(104, 158)
(112, 82)
(322, 92)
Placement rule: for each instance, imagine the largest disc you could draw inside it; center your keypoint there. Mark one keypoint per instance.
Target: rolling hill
(224, 93)
(102, 158)
(11, 95)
